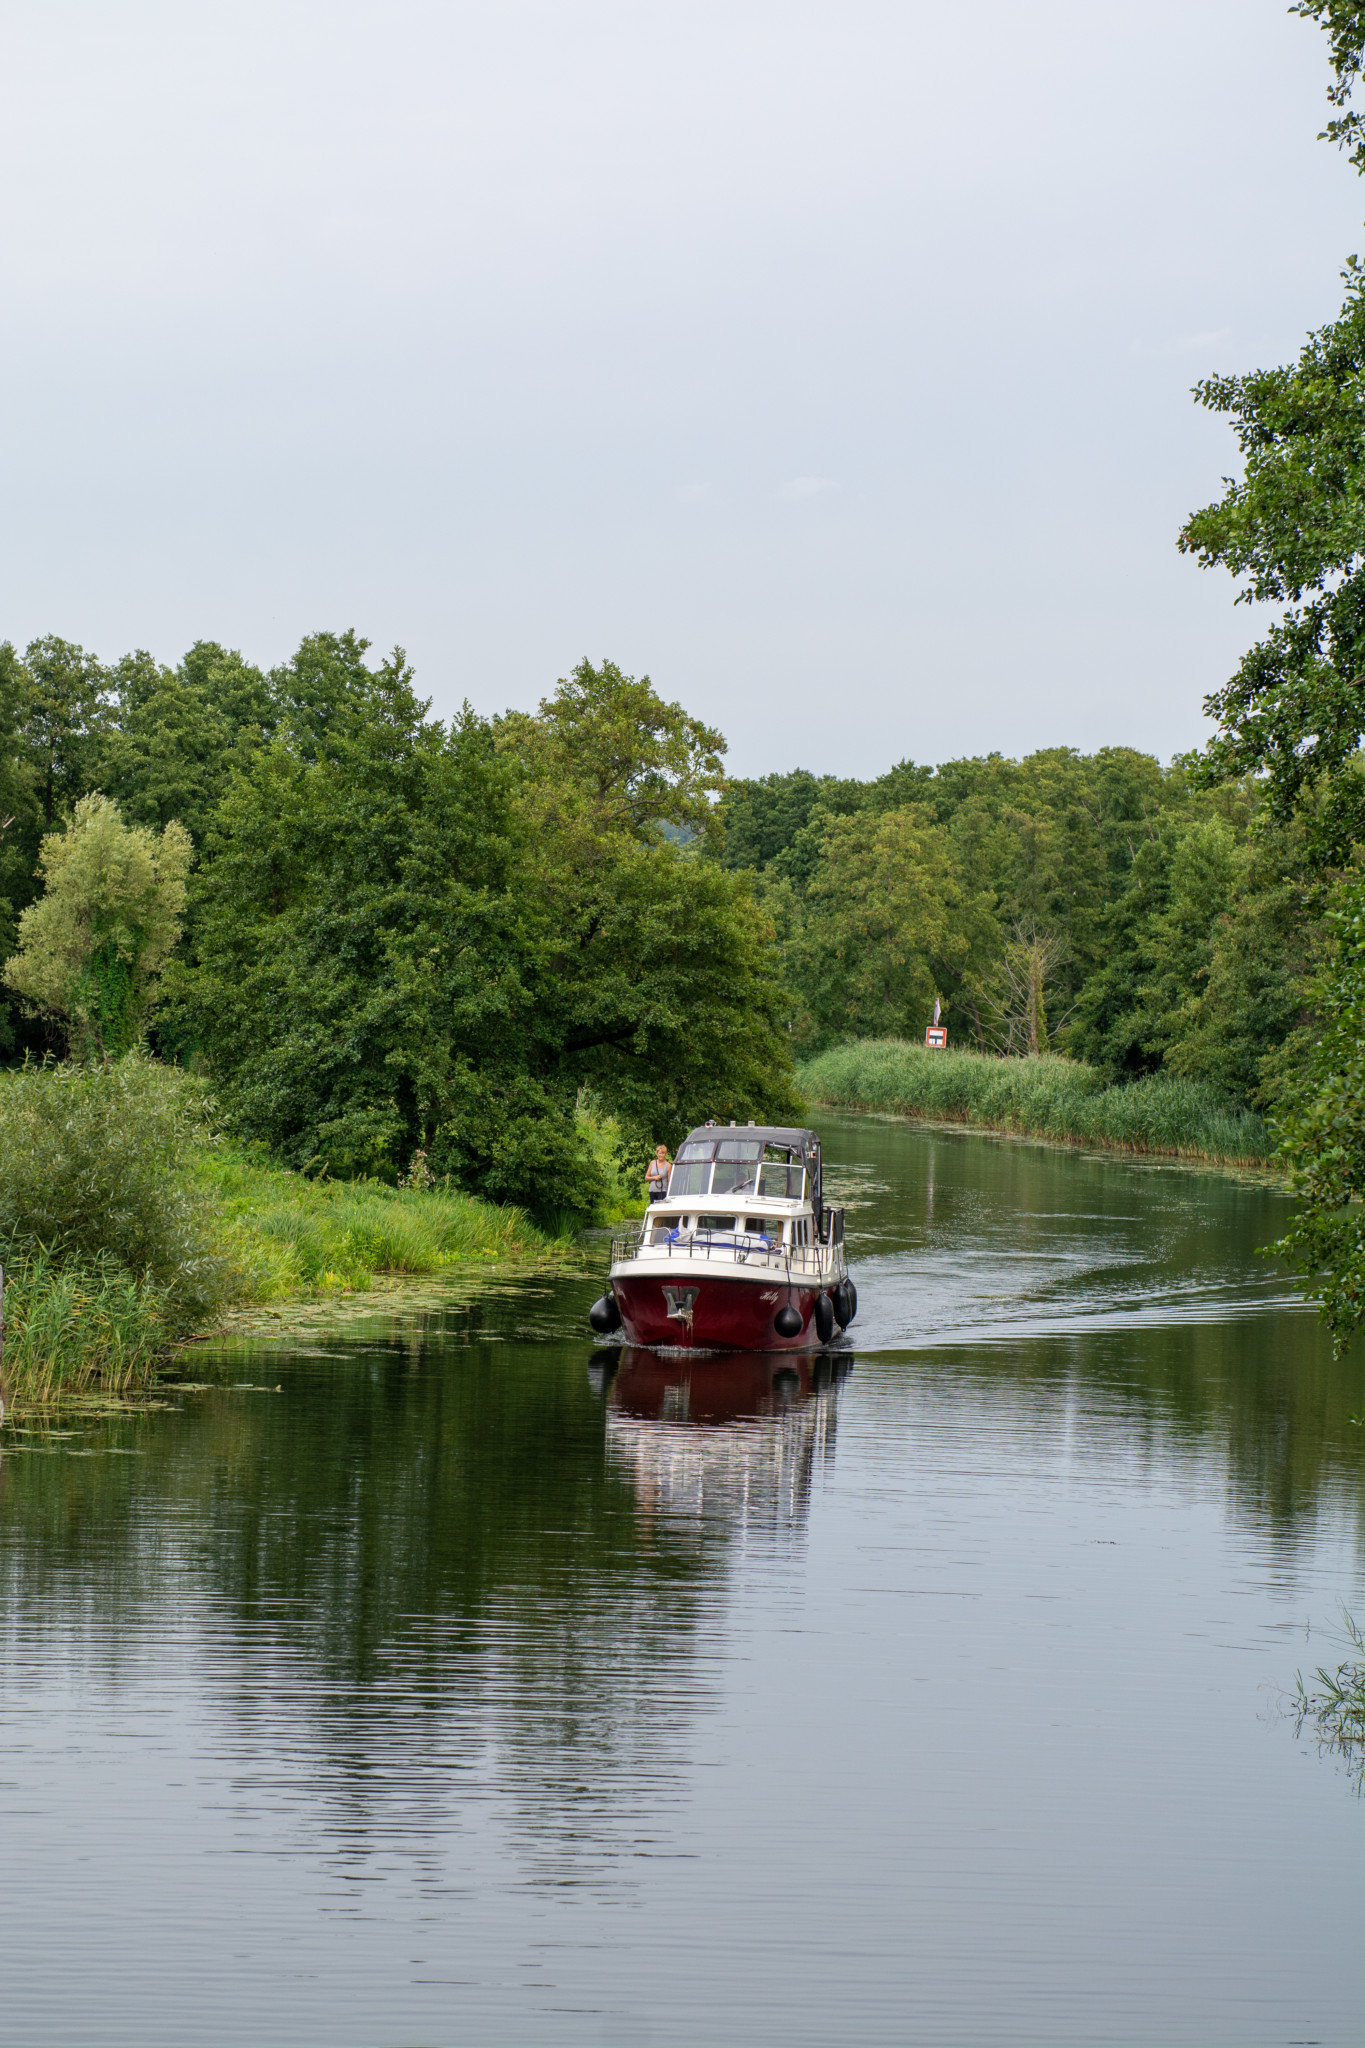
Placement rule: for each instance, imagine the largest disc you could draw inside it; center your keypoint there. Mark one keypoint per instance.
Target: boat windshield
(736, 1166)
(690, 1177)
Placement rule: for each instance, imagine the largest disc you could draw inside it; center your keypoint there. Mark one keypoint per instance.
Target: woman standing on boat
(656, 1174)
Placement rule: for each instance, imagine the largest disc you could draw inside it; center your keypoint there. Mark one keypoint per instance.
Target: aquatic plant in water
(1335, 1708)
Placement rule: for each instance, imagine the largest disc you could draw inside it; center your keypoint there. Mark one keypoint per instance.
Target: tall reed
(1044, 1096)
(71, 1325)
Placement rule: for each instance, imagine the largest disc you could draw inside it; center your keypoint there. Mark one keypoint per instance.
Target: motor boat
(741, 1254)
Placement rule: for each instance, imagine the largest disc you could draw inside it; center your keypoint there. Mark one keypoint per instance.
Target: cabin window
(764, 1226)
(715, 1223)
(782, 1183)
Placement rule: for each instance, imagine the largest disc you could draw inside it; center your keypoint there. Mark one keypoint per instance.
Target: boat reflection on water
(719, 1443)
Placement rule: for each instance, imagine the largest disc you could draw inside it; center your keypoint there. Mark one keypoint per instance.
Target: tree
(412, 936)
(92, 947)
(1324, 1136)
(761, 820)
(1294, 713)
(1243, 1024)
(65, 714)
(889, 923)
(168, 750)
(607, 745)
(1016, 1002)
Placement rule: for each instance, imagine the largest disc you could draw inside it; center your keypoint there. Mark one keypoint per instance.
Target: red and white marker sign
(936, 1035)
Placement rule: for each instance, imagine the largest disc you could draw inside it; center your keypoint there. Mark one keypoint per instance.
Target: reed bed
(1045, 1097)
(72, 1325)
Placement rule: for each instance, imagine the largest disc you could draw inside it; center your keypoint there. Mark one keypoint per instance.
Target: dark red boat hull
(712, 1314)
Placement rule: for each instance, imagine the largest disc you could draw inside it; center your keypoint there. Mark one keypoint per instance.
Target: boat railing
(734, 1248)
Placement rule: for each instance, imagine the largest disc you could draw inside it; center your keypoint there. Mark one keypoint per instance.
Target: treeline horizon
(1101, 905)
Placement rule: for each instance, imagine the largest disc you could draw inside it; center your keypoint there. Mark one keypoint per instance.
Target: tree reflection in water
(415, 1588)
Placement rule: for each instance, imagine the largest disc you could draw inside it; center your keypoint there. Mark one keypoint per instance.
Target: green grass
(1045, 1097)
(287, 1235)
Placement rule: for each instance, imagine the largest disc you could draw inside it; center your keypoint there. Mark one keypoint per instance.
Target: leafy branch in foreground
(1294, 528)
(1323, 1124)
(1344, 21)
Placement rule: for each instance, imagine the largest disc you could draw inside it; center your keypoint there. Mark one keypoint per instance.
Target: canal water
(463, 1683)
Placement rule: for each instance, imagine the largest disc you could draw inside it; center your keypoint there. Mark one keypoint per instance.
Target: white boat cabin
(750, 1193)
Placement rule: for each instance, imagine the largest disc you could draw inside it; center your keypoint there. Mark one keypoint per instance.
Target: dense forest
(1099, 905)
(400, 935)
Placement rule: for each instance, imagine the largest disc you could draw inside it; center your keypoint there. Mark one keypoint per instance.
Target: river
(460, 1683)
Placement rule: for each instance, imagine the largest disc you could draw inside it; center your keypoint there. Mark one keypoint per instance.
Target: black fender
(604, 1315)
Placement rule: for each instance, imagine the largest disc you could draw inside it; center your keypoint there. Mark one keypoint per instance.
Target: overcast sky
(830, 362)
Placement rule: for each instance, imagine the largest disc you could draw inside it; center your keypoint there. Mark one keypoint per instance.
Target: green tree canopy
(1293, 527)
(408, 935)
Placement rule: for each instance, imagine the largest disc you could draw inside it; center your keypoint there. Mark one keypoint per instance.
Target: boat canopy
(779, 1137)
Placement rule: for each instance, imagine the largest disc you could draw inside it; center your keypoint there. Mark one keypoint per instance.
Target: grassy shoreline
(1163, 1115)
(81, 1328)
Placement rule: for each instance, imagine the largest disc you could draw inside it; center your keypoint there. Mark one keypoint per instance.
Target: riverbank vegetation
(129, 1224)
(446, 985)
(505, 955)
(1041, 1096)
(399, 935)
(1095, 906)
(284, 1235)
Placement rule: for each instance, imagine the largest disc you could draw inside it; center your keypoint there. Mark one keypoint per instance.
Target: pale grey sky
(828, 361)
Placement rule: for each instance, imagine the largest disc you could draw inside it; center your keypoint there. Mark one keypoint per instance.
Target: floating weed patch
(1044, 1097)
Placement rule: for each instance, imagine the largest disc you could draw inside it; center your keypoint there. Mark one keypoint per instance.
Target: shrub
(94, 1170)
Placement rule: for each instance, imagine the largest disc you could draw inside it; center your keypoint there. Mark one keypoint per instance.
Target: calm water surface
(464, 1684)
